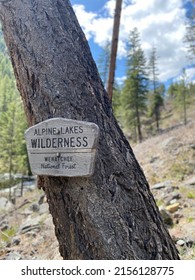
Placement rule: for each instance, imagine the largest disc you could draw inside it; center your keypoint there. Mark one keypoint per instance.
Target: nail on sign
(62, 147)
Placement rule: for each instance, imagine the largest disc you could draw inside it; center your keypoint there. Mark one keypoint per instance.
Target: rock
(44, 208)
(161, 185)
(5, 204)
(181, 242)
(173, 207)
(31, 225)
(16, 241)
(31, 234)
(38, 242)
(13, 256)
(153, 159)
(172, 198)
(34, 207)
(173, 201)
(171, 189)
(27, 212)
(177, 217)
(192, 146)
(176, 196)
(189, 243)
(2, 222)
(8, 245)
(33, 252)
(41, 199)
(166, 217)
(191, 181)
(4, 225)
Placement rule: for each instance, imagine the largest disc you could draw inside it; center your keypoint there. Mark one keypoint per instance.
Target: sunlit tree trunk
(114, 47)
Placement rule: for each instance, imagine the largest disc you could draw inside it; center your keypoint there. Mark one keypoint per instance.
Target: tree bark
(111, 215)
(114, 48)
(184, 106)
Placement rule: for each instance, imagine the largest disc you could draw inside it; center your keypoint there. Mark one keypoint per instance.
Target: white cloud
(120, 80)
(190, 74)
(85, 19)
(94, 26)
(161, 23)
(110, 7)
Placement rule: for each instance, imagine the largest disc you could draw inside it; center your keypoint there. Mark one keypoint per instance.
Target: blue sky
(160, 23)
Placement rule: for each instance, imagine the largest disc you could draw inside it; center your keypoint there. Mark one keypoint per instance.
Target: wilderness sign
(62, 147)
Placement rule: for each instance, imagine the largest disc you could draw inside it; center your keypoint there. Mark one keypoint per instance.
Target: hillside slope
(168, 161)
(169, 156)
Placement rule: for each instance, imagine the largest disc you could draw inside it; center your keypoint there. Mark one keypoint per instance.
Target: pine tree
(172, 89)
(179, 95)
(191, 86)
(7, 143)
(183, 95)
(12, 146)
(135, 86)
(157, 90)
(116, 102)
(13, 155)
(21, 158)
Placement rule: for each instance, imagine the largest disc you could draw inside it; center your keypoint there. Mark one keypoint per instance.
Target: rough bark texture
(111, 215)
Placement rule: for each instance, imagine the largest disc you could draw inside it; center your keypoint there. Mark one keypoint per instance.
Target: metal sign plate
(62, 147)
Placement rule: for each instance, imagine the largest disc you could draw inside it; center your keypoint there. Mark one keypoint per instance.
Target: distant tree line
(13, 155)
(141, 99)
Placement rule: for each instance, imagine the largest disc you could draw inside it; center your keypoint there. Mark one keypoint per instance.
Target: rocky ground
(168, 161)
(27, 230)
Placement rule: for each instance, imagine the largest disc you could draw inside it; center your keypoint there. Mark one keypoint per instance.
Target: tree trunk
(157, 119)
(138, 123)
(114, 48)
(184, 106)
(111, 215)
